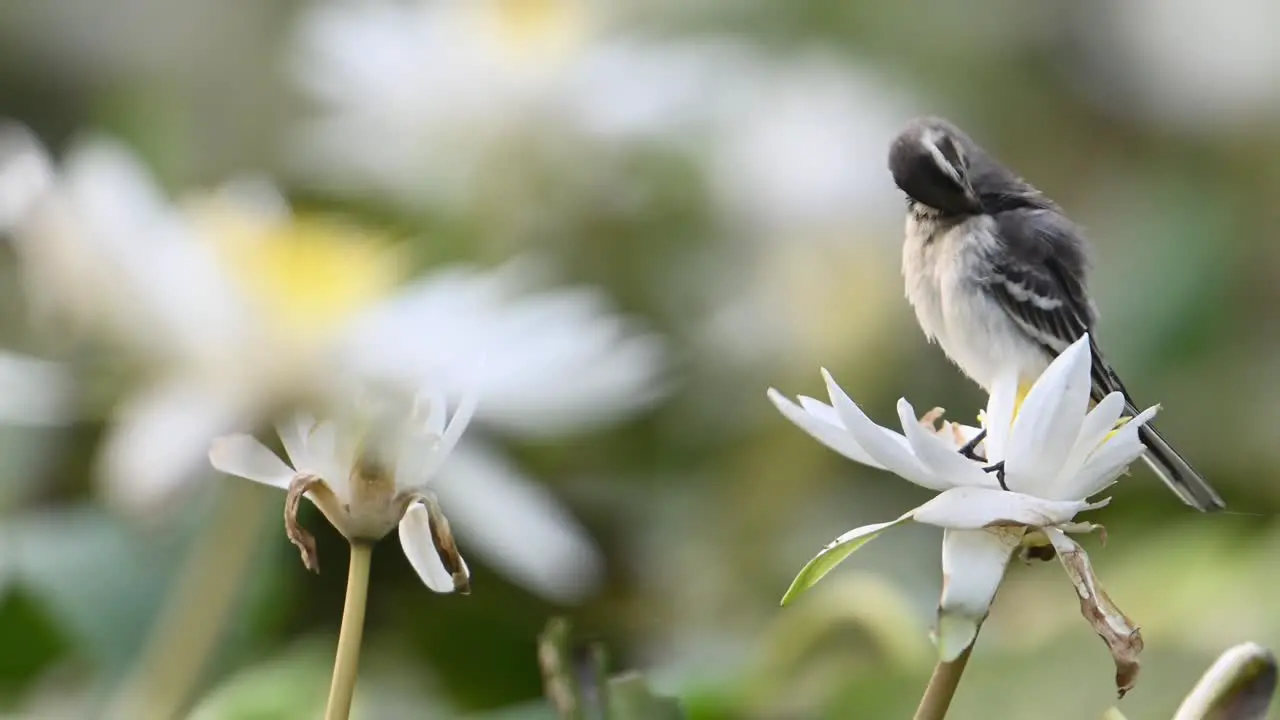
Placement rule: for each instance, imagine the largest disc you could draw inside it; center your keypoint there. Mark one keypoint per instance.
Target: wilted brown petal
(305, 543)
(446, 548)
(1122, 637)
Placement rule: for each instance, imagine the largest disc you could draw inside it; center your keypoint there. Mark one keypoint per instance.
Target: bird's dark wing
(1038, 280)
(1038, 276)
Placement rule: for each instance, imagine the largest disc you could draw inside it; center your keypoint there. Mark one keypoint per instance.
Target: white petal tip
(1097, 504)
(954, 634)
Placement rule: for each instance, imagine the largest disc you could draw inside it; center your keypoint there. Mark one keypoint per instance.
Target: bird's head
(929, 160)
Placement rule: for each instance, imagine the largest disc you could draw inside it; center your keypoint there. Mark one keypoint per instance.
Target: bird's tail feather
(1175, 471)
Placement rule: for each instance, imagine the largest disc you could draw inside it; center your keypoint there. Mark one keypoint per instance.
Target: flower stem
(196, 610)
(942, 687)
(346, 663)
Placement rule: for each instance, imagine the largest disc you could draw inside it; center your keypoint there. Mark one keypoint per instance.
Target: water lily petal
(1100, 421)
(420, 549)
(159, 438)
(975, 508)
(833, 554)
(243, 456)
(521, 529)
(1049, 420)
(428, 465)
(973, 565)
(823, 427)
(821, 410)
(939, 456)
(1112, 457)
(885, 446)
(294, 433)
(998, 418)
(325, 459)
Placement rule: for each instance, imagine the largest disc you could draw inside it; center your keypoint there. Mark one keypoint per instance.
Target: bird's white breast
(945, 269)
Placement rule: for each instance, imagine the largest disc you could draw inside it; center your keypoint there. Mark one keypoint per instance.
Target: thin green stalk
(196, 609)
(942, 688)
(346, 664)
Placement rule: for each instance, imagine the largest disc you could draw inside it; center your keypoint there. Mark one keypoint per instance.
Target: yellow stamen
(537, 28)
(307, 276)
(1023, 390)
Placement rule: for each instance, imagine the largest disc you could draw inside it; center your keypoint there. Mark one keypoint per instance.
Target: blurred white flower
(1044, 457)
(411, 95)
(237, 309)
(368, 473)
(415, 100)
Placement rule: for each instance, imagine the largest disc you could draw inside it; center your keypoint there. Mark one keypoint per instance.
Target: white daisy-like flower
(368, 474)
(416, 100)
(1043, 461)
(411, 97)
(234, 308)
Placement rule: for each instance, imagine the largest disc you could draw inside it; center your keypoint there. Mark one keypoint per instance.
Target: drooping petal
(1100, 421)
(939, 456)
(833, 554)
(420, 549)
(973, 564)
(885, 446)
(824, 428)
(1049, 420)
(243, 456)
(998, 418)
(1119, 632)
(519, 527)
(1111, 458)
(975, 508)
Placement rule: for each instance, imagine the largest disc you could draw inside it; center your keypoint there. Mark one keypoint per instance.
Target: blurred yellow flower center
(546, 29)
(307, 276)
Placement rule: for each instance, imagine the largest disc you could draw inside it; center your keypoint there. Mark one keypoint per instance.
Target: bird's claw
(968, 448)
(998, 469)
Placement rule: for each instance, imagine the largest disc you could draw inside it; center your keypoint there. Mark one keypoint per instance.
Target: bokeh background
(716, 170)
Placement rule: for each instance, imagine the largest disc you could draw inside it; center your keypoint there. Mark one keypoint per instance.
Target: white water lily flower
(1056, 454)
(367, 475)
(235, 309)
(416, 100)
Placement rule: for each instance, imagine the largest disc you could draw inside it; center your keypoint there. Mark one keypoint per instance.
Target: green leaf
(834, 554)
